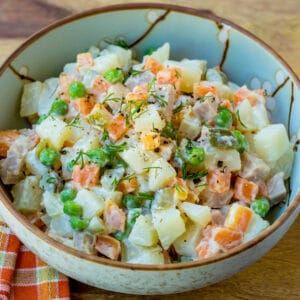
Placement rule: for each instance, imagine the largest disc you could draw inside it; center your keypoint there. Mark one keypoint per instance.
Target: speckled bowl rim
(206, 14)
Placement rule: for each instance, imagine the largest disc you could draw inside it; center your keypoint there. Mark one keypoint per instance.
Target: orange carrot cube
(139, 93)
(203, 90)
(86, 177)
(167, 76)
(226, 238)
(99, 86)
(153, 65)
(243, 93)
(238, 218)
(117, 128)
(84, 105)
(218, 181)
(245, 190)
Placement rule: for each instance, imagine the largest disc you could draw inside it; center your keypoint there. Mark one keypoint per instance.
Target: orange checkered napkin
(25, 276)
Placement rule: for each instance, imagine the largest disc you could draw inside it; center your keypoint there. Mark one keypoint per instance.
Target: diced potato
(231, 159)
(190, 126)
(92, 204)
(123, 55)
(61, 226)
(99, 116)
(108, 194)
(161, 54)
(96, 225)
(30, 98)
(284, 163)
(191, 72)
(135, 254)
(143, 232)
(257, 225)
(48, 95)
(186, 244)
(246, 119)
(199, 214)
(271, 142)
(224, 92)
(77, 132)
(52, 204)
(33, 164)
(260, 116)
(55, 131)
(164, 199)
(169, 225)
(105, 62)
(27, 195)
(160, 174)
(110, 177)
(88, 142)
(137, 159)
(149, 120)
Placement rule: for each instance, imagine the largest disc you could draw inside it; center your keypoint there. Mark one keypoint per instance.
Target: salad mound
(153, 161)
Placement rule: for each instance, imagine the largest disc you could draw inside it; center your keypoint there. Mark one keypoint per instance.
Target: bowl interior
(191, 35)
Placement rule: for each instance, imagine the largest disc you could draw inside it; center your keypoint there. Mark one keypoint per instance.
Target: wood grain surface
(277, 22)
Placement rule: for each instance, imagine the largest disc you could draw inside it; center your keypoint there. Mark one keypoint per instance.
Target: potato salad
(147, 162)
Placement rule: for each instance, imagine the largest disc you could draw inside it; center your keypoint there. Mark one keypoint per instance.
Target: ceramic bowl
(192, 34)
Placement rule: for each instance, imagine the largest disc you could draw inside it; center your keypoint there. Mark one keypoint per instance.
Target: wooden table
(275, 276)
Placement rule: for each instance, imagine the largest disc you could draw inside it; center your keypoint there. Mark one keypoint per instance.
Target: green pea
(72, 209)
(114, 75)
(78, 223)
(98, 156)
(68, 195)
(241, 141)
(131, 201)
(261, 206)
(149, 51)
(49, 157)
(224, 118)
(41, 119)
(77, 89)
(195, 156)
(59, 107)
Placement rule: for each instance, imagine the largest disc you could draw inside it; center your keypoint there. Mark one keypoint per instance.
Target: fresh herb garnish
(179, 108)
(51, 180)
(75, 122)
(110, 97)
(169, 131)
(136, 72)
(161, 101)
(197, 175)
(105, 135)
(118, 42)
(239, 118)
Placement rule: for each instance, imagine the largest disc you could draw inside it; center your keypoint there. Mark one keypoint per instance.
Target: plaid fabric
(25, 276)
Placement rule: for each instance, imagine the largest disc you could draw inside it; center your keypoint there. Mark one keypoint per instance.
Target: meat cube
(254, 168)
(276, 188)
(206, 110)
(140, 79)
(216, 200)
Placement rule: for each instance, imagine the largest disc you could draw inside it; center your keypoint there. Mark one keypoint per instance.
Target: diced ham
(114, 218)
(218, 181)
(206, 110)
(253, 168)
(218, 217)
(216, 200)
(86, 177)
(245, 190)
(276, 189)
(11, 168)
(7, 138)
(108, 246)
(140, 79)
(166, 92)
